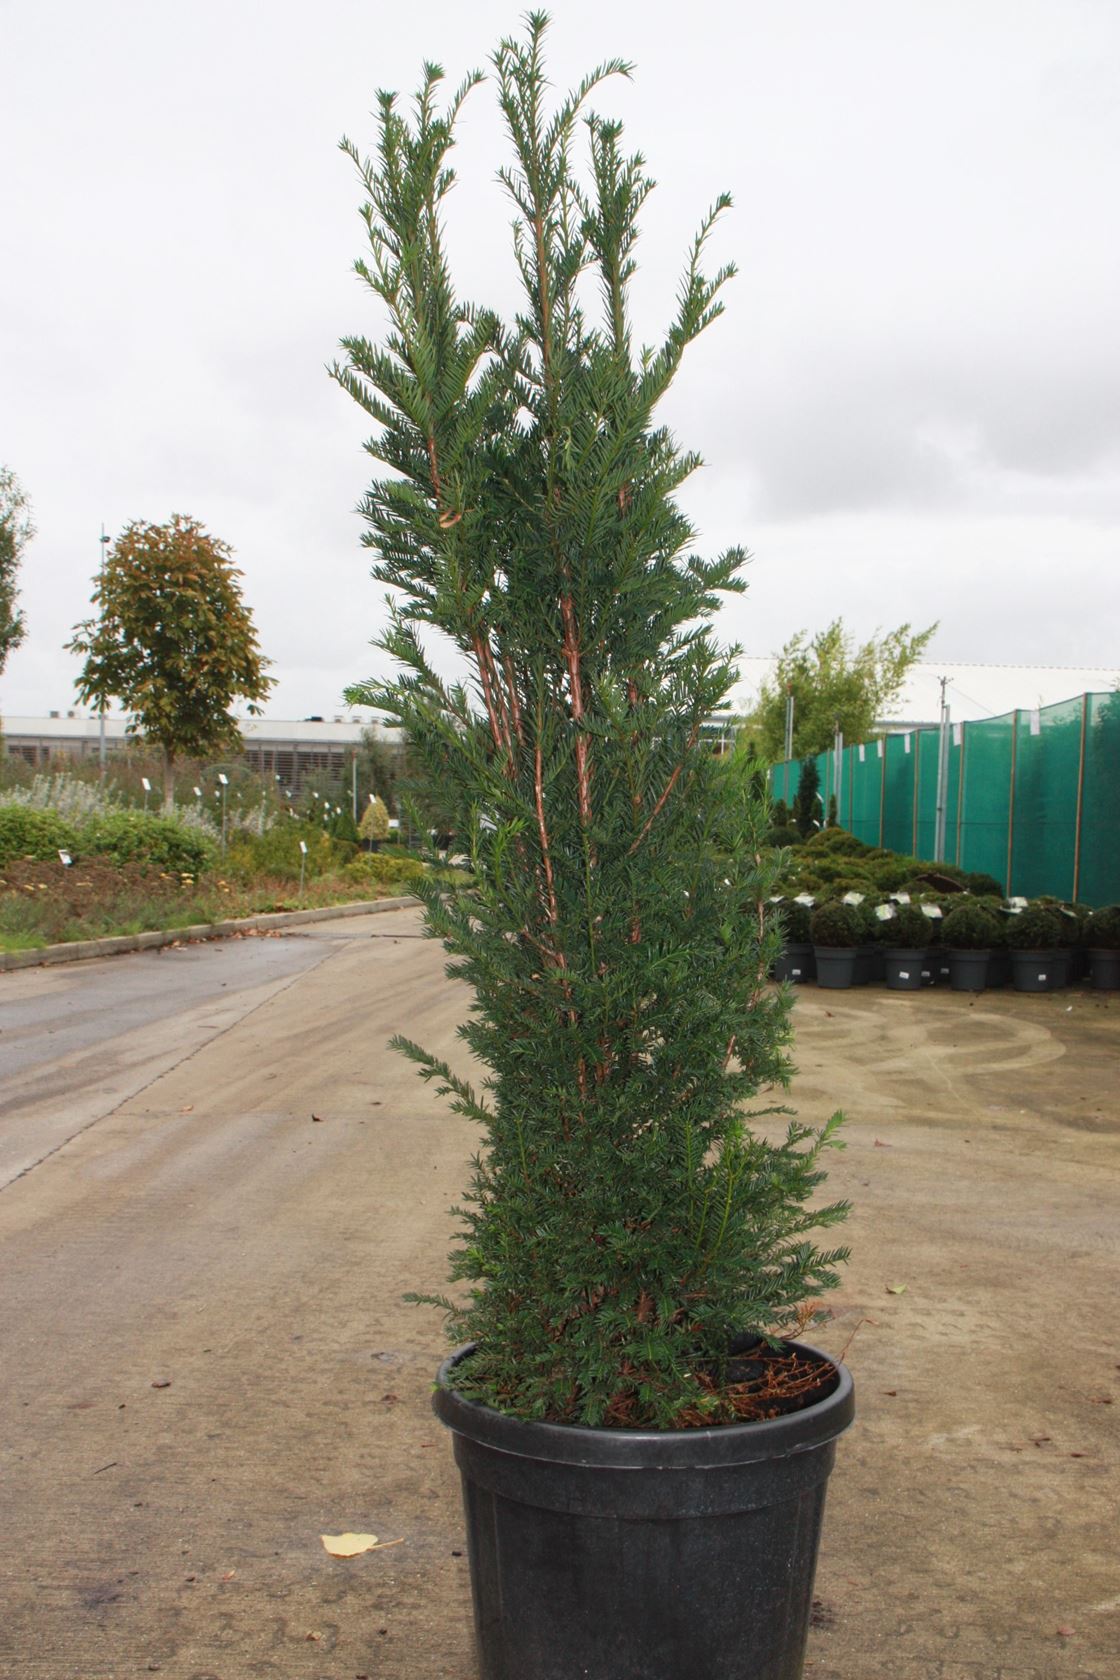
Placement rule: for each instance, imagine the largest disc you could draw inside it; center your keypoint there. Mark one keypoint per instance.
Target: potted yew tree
(643, 1454)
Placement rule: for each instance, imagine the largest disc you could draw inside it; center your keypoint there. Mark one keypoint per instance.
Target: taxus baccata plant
(625, 1220)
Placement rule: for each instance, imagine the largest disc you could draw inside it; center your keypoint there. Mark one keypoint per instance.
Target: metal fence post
(1080, 798)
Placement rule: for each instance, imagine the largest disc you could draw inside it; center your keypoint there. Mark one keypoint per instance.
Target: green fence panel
(898, 793)
(1098, 851)
(986, 797)
(864, 787)
(1044, 823)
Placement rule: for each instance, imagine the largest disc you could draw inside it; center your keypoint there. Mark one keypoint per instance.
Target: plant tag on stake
(145, 784)
(303, 847)
(66, 858)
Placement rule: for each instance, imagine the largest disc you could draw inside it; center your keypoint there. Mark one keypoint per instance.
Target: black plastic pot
(1104, 969)
(796, 963)
(968, 970)
(907, 970)
(1038, 971)
(836, 965)
(609, 1554)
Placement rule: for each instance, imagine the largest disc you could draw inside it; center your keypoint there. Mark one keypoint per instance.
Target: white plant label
(853, 898)
(303, 847)
(901, 897)
(885, 912)
(145, 784)
(933, 911)
(66, 858)
(805, 898)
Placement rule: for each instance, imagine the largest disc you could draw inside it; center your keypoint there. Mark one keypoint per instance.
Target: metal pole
(789, 723)
(1011, 797)
(941, 813)
(354, 786)
(961, 787)
(838, 778)
(101, 712)
(1080, 799)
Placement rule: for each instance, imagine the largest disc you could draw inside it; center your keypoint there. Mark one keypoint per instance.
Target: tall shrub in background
(624, 1220)
(807, 800)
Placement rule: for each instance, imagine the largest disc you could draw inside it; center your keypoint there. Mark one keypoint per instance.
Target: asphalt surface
(218, 1184)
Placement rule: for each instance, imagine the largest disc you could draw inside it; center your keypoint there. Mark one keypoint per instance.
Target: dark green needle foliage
(624, 1220)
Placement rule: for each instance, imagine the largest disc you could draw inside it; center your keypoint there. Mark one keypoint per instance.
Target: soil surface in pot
(762, 1382)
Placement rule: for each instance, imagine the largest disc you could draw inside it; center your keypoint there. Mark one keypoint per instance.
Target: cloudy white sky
(909, 411)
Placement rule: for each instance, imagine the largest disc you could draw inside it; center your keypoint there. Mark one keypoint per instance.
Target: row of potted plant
(968, 943)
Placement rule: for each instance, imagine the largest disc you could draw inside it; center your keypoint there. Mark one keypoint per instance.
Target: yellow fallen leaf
(348, 1545)
(896, 1289)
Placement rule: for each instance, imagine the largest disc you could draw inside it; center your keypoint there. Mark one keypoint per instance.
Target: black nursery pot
(1104, 969)
(609, 1554)
(968, 970)
(907, 970)
(1038, 971)
(796, 963)
(836, 965)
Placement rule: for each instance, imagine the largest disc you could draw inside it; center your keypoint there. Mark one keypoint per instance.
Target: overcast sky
(909, 411)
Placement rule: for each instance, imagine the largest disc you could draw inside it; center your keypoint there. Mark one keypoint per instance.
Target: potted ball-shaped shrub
(1102, 936)
(837, 931)
(1034, 939)
(795, 961)
(643, 1452)
(906, 956)
(970, 933)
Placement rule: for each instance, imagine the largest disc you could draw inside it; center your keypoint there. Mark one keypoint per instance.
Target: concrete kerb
(117, 944)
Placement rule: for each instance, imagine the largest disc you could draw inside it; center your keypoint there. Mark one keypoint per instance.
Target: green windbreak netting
(1032, 798)
(985, 796)
(898, 793)
(865, 780)
(1099, 852)
(1044, 818)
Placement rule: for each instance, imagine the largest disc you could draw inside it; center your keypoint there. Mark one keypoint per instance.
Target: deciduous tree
(173, 641)
(834, 683)
(16, 531)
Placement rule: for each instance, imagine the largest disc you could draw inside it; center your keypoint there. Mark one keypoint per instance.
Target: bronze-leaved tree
(173, 641)
(624, 1220)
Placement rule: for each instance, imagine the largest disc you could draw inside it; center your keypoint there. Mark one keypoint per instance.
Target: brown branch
(669, 786)
(434, 464)
(575, 682)
(546, 848)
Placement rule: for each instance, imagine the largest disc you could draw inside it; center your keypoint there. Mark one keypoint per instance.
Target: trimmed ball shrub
(910, 930)
(1036, 929)
(836, 926)
(1102, 930)
(971, 928)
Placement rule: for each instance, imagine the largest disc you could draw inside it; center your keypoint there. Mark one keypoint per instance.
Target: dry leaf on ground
(348, 1545)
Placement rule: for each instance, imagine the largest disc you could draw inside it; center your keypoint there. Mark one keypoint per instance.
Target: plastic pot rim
(647, 1449)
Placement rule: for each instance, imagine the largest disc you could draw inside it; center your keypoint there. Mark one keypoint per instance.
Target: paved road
(174, 1215)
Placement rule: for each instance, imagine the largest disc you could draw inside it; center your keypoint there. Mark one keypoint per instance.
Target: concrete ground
(207, 1362)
